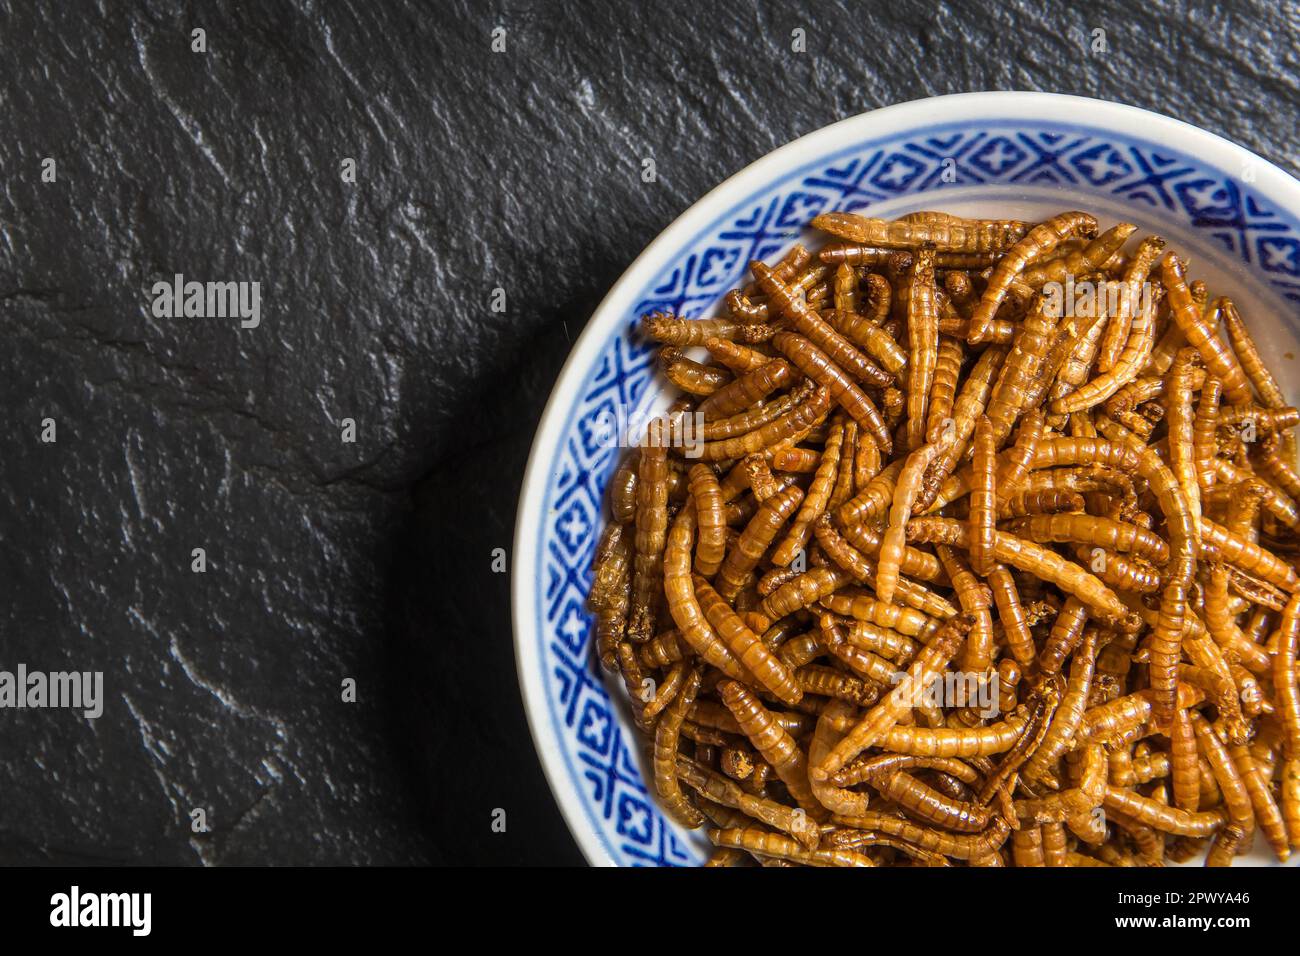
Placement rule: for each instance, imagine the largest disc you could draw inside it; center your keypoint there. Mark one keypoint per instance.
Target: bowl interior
(1242, 243)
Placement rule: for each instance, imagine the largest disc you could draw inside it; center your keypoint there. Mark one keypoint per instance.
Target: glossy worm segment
(1037, 242)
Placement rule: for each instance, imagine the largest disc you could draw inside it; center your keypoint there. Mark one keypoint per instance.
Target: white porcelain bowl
(1013, 155)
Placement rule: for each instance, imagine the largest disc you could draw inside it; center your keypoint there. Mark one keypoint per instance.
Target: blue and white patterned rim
(586, 742)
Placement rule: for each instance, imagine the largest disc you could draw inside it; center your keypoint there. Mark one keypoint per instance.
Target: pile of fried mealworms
(965, 565)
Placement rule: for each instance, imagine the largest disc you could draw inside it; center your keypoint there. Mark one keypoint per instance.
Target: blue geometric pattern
(598, 744)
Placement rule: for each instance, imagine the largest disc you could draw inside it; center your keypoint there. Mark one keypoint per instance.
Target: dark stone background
(372, 560)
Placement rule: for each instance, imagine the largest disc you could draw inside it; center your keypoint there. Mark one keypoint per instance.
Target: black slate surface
(372, 560)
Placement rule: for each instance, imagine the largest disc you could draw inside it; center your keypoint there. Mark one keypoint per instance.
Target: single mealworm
(690, 376)
(1218, 358)
(874, 340)
(814, 363)
(1064, 637)
(1236, 798)
(1036, 243)
(745, 645)
(1024, 503)
(803, 591)
(735, 356)
(610, 592)
(1011, 614)
(961, 846)
(998, 332)
(1163, 818)
(1224, 846)
(983, 498)
(1091, 530)
(1033, 559)
(758, 535)
(763, 843)
(1022, 363)
(926, 804)
(923, 343)
(874, 499)
(810, 325)
(846, 288)
(858, 458)
(1179, 415)
(667, 733)
(683, 333)
(746, 390)
(837, 684)
(975, 600)
(952, 235)
(711, 520)
(622, 489)
(1247, 353)
(943, 394)
(682, 602)
(651, 526)
(1089, 258)
(894, 542)
(1248, 556)
(906, 621)
(1184, 773)
(1268, 816)
(815, 501)
(769, 739)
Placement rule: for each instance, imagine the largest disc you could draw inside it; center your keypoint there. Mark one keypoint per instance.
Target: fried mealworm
(943, 394)
(983, 498)
(923, 343)
(874, 340)
(1022, 363)
(814, 363)
(815, 501)
(1034, 559)
(735, 356)
(667, 731)
(682, 332)
(777, 747)
(682, 602)
(952, 235)
(1200, 334)
(1037, 242)
(745, 645)
(1089, 258)
(610, 591)
(892, 548)
(748, 389)
(651, 525)
(759, 533)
